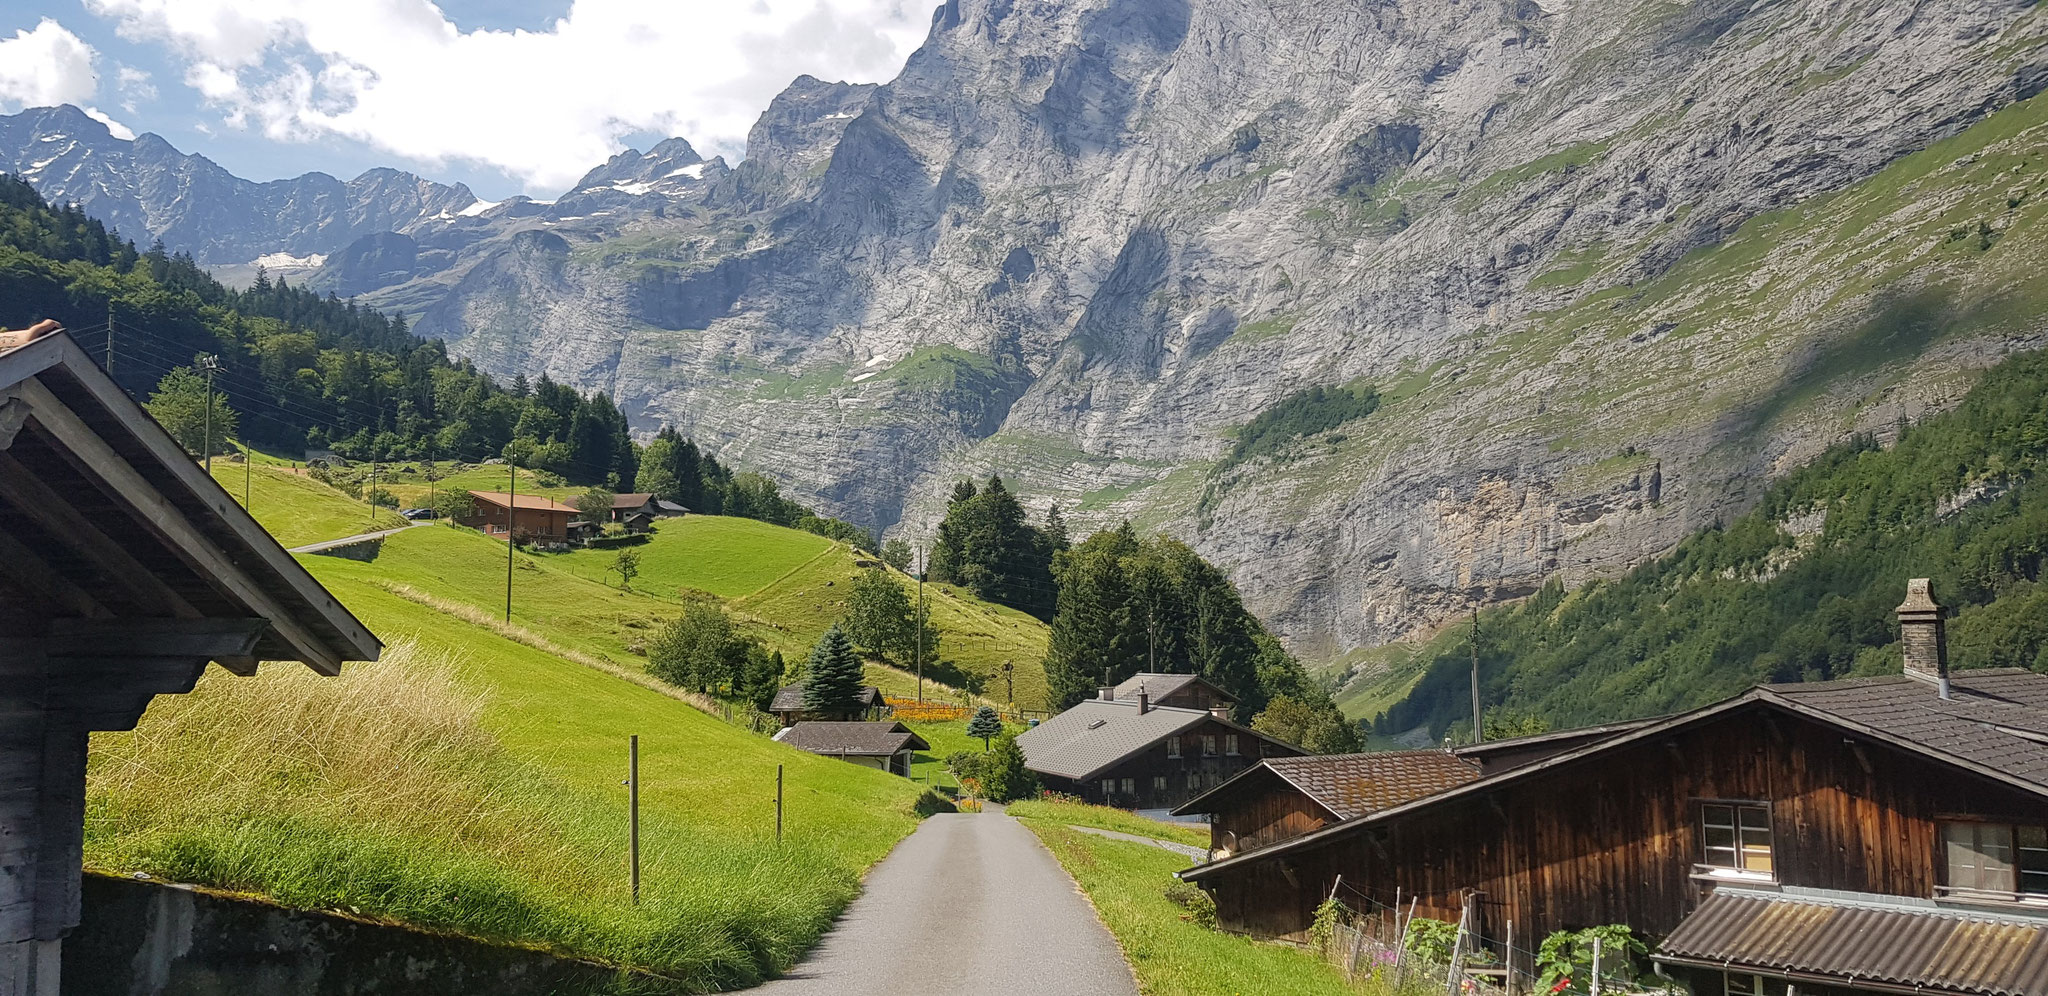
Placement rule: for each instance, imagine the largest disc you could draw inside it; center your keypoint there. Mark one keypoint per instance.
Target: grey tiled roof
(1157, 685)
(1910, 943)
(1996, 718)
(1352, 785)
(1096, 734)
(790, 698)
(864, 739)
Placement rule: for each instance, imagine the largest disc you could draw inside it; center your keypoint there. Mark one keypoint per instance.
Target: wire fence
(1398, 950)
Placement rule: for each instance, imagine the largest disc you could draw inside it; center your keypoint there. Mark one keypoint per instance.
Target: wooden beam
(208, 638)
(99, 459)
(21, 563)
(13, 414)
(356, 642)
(55, 513)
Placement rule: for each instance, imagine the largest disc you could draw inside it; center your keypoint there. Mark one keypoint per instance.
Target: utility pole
(373, 493)
(920, 623)
(248, 471)
(1478, 728)
(778, 804)
(633, 805)
(1010, 683)
(209, 363)
(511, 516)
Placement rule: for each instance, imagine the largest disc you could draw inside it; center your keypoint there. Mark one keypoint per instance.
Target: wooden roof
(1348, 786)
(1159, 685)
(534, 502)
(790, 698)
(878, 739)
(107, 518)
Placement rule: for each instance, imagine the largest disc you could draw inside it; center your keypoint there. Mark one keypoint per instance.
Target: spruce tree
(985, 724)
(835, 674)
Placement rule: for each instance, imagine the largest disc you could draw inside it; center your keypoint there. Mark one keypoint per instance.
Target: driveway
(970, 904)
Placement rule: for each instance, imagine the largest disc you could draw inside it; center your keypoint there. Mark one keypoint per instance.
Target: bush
(965, 764)
(1003, 775)
(1200, 907)
(382, 498)
(609, 542)
(1430, 940)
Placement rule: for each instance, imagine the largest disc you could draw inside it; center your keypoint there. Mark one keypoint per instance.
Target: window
(1158, 783)
(1194, 780)
(1996, 858)
(1230, 744)
(1744, 985)
(1130, 786)
(1108, 788)
(1737, 837)
(1208, 745)
(1172, 746)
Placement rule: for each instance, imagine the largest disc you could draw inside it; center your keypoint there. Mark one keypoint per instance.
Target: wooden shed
(124, 569)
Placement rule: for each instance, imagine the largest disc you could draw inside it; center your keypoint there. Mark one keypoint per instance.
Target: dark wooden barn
(1920, 786)
(124, 569)
(1130, 752)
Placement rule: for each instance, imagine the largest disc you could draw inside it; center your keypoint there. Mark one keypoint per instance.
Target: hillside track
(970, 904)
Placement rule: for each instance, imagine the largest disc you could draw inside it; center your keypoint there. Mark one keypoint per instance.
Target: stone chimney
(1923, 636)
(1144, 701)
(1106, 693)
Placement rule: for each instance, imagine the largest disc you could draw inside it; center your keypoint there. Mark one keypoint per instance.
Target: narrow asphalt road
(357, 538)
(970, 904)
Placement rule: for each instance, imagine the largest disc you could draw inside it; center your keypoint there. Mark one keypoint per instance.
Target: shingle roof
(1351, 785)
(1096, 734)
(631, 501)
(1158, 685)
(501, 499)
(859, 739)
(1864, 939)
(790, 698)
(1995, 718)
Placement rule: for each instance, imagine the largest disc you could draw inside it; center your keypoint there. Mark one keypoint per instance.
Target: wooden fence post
(633, 804)
(1458, 949)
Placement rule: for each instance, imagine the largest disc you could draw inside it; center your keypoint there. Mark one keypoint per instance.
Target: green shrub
(1430, 940)
(1200, 906)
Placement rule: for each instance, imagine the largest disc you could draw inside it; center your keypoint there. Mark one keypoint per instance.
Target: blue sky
(508, 97)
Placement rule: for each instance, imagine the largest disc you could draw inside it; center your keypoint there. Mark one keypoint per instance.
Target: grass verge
(1107, 818)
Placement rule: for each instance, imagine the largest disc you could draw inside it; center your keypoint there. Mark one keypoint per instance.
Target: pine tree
(835, 674)
(985, 724)
(1003, 775)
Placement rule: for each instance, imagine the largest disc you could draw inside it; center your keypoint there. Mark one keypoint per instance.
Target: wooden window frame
(1108, 788)
(1712, 870)
(1130, 788)
(2015, 860)
(1230, 745)
(1208, 745)
(1173, 746)
(1728, 987)
(1159, 783)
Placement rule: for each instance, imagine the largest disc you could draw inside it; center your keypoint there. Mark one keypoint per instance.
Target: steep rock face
(1128, 226)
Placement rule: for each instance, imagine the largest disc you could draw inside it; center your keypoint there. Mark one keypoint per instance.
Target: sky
(511, 96)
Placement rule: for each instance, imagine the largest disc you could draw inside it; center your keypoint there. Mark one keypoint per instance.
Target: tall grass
(383, 795)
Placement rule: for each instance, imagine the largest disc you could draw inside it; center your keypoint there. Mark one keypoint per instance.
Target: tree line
(301, 370)
(1801, 588)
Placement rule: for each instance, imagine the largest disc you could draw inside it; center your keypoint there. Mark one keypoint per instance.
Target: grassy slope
(525, 843)
(789, 586)
(297, 509)
(1127, 883)
(412, 488)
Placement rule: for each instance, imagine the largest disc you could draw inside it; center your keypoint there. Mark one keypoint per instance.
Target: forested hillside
(1801, 588)
(298, 370)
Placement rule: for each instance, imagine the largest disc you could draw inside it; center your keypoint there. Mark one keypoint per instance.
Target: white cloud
(48, 65)
(542, 106)
(115, 128)
(135, 86)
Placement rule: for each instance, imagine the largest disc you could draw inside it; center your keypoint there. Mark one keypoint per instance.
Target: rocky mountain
(1606, 267)
(150, 191)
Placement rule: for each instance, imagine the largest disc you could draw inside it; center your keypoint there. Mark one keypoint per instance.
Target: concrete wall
(147, 939)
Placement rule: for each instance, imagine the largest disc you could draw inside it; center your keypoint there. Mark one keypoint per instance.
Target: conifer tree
(985, 724)
(835, 674)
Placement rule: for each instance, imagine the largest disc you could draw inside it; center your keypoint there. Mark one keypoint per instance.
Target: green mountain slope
(1801, 588)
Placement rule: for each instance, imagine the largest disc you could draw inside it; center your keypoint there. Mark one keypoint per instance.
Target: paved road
(357, 538)
(1185, 850)
(970, 904)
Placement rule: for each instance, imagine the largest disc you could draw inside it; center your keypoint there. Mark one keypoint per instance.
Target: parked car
(420, 513)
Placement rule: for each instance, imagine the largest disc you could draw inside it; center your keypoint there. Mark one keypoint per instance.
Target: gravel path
(970, 904)
(1189, 850)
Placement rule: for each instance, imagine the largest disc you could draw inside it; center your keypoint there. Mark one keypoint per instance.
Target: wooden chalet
(886, 746)
(1751, 837)
(788, 706)
(530, 518)
(124, 569)
(1123, 749)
